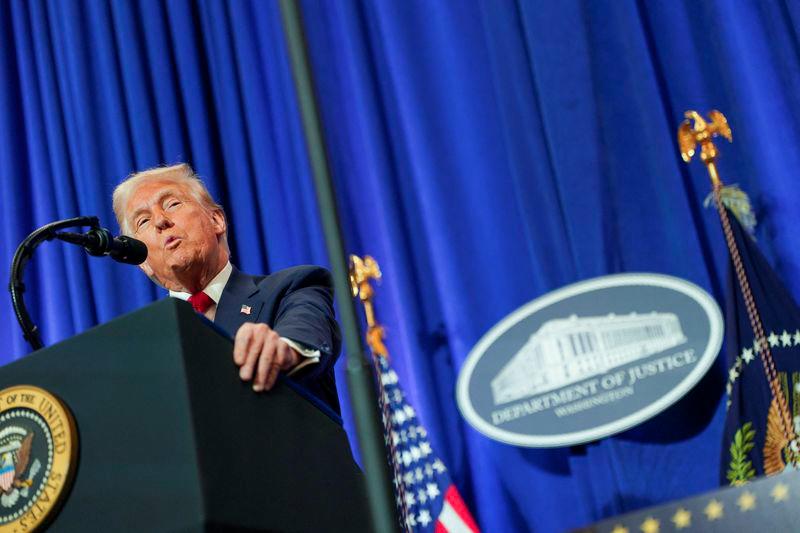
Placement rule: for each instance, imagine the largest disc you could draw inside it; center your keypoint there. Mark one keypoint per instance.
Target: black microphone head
(128, 250)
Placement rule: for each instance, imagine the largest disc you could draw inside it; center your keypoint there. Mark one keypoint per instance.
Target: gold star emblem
(651, 525)
(682, 518)
(780, 493)
(747, 501)
(619, 528)
(714, 509)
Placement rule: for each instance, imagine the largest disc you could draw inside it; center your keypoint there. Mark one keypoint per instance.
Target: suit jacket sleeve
(305, 314)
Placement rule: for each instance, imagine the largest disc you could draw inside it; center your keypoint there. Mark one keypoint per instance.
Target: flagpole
(359, 376)
(696, 130)
(413, 460)
(362, 272)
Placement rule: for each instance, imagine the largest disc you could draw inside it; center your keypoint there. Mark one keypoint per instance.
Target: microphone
(100, 242)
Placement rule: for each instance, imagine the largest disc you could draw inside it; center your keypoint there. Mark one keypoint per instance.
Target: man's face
(182, 237)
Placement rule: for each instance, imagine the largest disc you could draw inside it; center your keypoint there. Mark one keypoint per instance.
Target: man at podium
(283, 322)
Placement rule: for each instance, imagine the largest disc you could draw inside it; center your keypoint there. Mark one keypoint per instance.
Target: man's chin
(175, 271)
(181, 267)
(183, 272)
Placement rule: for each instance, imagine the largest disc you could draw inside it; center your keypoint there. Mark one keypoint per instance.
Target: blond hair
(181, 174)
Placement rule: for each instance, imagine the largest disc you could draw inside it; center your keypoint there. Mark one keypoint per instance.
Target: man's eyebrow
(158, 200)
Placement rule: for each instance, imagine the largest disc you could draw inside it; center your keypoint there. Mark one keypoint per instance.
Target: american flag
(427, 499)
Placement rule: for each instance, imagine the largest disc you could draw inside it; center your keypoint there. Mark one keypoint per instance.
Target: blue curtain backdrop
(484, 152)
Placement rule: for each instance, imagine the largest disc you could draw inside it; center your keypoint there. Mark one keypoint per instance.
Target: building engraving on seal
(567, 350)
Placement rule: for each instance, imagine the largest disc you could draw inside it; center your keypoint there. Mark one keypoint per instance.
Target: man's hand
(261, 355)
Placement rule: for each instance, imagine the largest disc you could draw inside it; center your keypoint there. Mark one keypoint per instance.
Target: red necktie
(201, 301)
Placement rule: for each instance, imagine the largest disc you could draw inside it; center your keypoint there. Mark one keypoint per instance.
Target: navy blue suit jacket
(298, 304)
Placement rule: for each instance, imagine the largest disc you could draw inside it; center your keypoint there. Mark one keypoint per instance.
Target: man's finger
(241, 341)
(285, 359)
(252, 354)
(267, 358)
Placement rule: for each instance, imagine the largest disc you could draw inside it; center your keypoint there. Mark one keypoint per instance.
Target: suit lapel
(241, 294)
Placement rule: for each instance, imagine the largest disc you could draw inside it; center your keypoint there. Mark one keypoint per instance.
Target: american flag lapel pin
(246, 309)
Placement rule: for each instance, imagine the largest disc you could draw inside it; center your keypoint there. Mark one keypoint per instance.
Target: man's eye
(141, 222)
(172, 204)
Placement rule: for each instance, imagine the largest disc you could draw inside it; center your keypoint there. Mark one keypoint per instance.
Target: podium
(170, 439)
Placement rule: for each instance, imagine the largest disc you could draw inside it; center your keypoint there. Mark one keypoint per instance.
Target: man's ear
(219, 222)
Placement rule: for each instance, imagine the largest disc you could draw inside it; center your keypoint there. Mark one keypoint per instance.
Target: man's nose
(162, 221)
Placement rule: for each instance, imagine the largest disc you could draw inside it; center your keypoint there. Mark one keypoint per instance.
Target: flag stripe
(452, 522)
(453, 498)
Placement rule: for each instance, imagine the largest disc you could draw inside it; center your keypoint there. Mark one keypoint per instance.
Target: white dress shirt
(214, 291)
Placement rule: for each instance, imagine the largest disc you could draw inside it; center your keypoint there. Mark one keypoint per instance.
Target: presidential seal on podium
(38, 451)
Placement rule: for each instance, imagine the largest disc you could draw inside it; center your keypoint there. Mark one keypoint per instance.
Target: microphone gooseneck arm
(24, 252)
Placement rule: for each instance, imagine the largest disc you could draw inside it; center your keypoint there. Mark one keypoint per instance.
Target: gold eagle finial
(696, 130)
(362, 272)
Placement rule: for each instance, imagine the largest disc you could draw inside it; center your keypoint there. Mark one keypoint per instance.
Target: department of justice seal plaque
(38, 450)
(590, 360)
